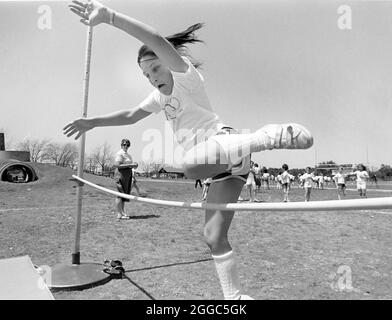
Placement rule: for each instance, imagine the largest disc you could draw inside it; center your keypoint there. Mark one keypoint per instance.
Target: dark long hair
(179, 41)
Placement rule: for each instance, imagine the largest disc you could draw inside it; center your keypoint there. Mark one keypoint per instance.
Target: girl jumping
(212, 149)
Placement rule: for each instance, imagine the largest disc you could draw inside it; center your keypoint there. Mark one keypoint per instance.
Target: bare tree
(154, 168)
(35, 147)
(63, 154)
(103, 156)
(145, 166)
(150, 168)
(90, 163)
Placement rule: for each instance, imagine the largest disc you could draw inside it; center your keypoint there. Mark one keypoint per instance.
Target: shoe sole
(291, 141)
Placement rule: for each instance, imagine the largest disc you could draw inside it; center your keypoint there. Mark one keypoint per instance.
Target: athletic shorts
(245, 161)
(341, 185)
(361, 185)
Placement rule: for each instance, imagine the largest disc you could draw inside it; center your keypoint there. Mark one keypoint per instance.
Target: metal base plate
(77, 276)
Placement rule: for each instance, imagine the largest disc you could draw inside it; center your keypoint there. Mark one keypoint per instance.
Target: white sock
(226, 267)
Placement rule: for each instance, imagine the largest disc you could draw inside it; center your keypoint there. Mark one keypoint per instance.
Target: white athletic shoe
(285, 136)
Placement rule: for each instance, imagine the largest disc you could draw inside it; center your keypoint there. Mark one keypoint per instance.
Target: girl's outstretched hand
(92, 12)
(78, 126)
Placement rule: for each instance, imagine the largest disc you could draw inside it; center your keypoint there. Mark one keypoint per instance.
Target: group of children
(257, 176)
(339, 179)
(307, 181)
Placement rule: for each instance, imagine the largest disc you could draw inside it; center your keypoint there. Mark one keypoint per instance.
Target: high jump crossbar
(352, 204)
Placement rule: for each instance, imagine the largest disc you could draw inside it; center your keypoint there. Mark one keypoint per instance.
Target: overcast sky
(263, 62)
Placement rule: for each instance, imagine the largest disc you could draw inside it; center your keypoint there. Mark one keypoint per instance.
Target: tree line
(101, 159)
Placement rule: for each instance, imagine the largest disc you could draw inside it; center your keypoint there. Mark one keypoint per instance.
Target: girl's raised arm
(119, 118)
(94, 13)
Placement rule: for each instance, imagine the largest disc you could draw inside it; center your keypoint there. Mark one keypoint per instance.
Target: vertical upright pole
(79, 275)
(2, 142)
(76, 253)
(367, 157)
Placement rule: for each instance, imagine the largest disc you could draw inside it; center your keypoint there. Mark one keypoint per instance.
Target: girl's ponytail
(179, 42)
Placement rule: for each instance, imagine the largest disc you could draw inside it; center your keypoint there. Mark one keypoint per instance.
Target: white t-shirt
(340, 178)
(362, 176)
(123, 157)
(307, 178)
(286, 177)
(187, 109)
(266, 176)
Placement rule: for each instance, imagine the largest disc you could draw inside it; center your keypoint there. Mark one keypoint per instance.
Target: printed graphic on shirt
(172, 108)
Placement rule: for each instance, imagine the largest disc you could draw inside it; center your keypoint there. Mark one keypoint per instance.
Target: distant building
(171, 172)
(332, 168)
(346, 168)
(14, 165)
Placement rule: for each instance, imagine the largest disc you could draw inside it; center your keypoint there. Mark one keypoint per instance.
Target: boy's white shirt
(187, 109)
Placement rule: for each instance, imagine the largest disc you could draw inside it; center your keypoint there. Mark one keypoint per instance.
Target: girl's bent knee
(216, 243)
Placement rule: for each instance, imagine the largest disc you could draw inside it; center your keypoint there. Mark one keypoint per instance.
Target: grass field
(281, 255)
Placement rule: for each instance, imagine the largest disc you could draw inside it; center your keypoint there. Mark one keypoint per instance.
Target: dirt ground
(281, 255)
